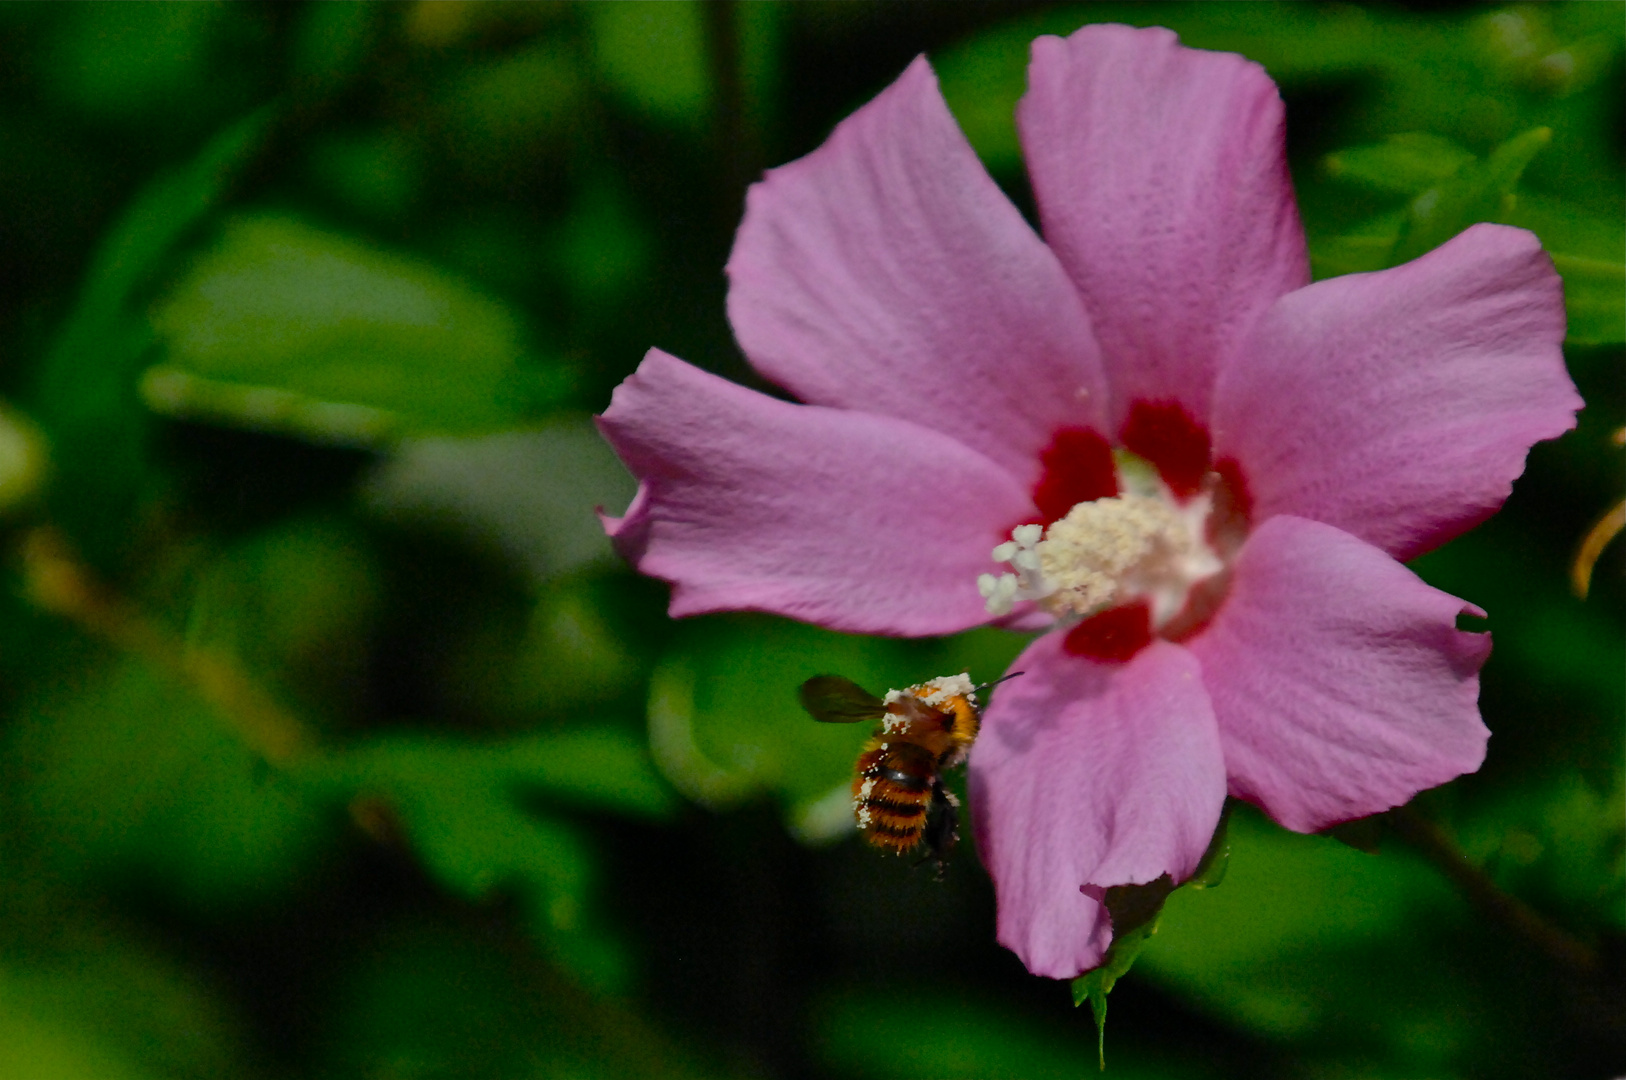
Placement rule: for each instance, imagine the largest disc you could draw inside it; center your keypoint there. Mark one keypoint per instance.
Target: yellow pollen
(1101, 547)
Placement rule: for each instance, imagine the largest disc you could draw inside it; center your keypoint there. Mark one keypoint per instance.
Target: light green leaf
(1477, 191)
(1594, 298)
(285, 327)
(1405, 164)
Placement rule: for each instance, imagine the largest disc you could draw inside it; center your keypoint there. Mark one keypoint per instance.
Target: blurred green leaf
(127, 60)
(330, 44)
(108, 1010)
(1586, 248)
(497, 115)
(600, 249)
(470, 815)
(1476, 191)
(529, 493)
(1406, 164)
(653, 54)
(377, 174)
(1561, 843)
(1589, 253)
(85, 396)
(124, 773)
(23, 464)
(285, 327)
(569, 655)
(295, 603)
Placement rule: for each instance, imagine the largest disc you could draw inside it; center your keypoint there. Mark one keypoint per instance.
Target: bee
(898, 792)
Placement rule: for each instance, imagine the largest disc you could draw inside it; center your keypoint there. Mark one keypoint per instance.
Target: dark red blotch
(1165, 434)
(1078, 467)
(1115, 634)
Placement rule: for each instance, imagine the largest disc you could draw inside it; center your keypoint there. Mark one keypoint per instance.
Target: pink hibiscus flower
(1147, 431)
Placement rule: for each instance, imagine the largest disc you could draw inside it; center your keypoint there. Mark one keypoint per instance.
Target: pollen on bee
(936, 691)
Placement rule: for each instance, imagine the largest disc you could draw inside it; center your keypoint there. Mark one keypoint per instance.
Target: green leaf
(1477, 191)
(1134, 910)
(285, 327)
(1405, 164)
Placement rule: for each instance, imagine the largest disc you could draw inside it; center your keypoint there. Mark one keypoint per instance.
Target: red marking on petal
(1232, 514)
(1238, 499)
(1078, 467)
(1166, 435)
(1115, 634)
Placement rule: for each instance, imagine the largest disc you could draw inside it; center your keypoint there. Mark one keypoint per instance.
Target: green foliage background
(334, 741)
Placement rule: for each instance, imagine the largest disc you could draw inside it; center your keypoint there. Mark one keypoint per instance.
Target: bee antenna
(996, 682)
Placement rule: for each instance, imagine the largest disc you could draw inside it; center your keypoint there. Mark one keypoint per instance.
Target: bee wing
(834, 700)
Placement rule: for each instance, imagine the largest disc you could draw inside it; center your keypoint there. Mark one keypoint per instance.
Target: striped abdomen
(892, 793)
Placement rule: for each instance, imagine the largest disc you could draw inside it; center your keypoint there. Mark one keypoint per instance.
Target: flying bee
(898, 792)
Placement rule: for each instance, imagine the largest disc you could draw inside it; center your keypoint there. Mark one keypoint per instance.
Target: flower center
(1145, 545)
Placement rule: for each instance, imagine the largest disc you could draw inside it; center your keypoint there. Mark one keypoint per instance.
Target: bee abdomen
(891, 795)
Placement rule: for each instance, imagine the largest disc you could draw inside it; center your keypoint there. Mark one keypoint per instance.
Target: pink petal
(1162, 185)
(1091, 775)
(887, 272)
(1341, 683)
(1399, 405)
(855, 522)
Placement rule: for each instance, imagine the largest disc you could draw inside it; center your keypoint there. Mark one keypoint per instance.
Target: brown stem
(55, 581)
(1437, 846)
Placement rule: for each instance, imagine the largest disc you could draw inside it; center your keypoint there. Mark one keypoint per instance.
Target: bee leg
(942, 828)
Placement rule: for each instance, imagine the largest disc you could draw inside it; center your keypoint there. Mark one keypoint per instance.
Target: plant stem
(1438, 847)
(54, 580)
